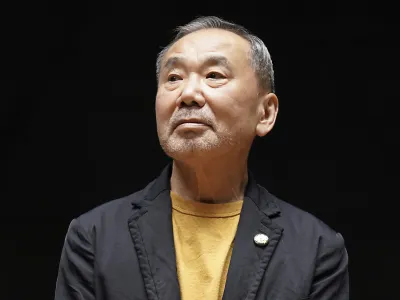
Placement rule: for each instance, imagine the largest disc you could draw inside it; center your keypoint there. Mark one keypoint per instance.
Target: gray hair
(261, 61)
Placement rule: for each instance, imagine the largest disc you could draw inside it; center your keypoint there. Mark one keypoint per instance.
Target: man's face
(207, 98)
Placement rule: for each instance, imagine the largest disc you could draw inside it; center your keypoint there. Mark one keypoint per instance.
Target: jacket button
(260, 239)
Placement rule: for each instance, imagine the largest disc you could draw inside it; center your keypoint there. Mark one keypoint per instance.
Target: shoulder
(299, 223)
(120, 207)
(113, 213)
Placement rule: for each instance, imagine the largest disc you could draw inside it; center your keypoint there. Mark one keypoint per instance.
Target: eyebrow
(209, 60)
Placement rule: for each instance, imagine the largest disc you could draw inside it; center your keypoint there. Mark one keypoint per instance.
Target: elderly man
(204, 229)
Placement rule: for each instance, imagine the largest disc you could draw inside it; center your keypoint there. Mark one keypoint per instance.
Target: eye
(215, 75)
(173, 78)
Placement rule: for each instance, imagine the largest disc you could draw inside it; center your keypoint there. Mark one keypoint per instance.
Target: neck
(218, 181)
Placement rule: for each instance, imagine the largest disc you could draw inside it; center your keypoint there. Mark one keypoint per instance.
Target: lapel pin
(260, 239)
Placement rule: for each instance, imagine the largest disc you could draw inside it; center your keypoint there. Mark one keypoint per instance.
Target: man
(204, 229)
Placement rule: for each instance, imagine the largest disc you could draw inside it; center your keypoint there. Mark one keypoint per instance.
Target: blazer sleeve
(331, 276)
(75, 272)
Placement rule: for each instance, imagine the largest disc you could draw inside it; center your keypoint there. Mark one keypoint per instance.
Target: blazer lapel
(249, 260)
(151, 230)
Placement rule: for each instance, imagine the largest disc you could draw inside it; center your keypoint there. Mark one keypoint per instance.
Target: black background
(78, 124)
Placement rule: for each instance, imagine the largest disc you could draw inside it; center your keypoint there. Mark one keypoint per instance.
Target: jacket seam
(94, 255)
(147, 260)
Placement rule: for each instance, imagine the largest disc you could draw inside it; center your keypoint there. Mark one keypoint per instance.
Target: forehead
(206, 41)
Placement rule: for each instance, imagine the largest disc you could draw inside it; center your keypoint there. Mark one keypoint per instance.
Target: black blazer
(124, 249)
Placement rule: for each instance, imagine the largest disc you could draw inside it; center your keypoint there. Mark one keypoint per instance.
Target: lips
(193, 121)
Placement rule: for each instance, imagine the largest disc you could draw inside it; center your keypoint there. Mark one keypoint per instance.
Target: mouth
(191, 121)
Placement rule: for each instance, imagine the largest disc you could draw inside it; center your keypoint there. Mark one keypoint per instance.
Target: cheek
(164, 107)
(159, 107)
(229, 106)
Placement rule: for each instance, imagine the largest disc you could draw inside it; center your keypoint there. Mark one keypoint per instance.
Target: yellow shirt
(203, 236)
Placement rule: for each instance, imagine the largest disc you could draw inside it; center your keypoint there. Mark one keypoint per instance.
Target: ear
(268, 111)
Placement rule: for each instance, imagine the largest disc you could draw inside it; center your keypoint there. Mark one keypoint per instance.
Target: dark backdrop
(78, 123)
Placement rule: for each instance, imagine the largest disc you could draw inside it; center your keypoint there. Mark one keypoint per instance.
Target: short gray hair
(261, 60)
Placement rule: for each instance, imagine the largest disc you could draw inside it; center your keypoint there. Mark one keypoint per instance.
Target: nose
(191, 94)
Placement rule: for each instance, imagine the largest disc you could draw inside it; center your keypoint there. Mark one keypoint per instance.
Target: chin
(190, 147)
(183, 147)
(195, 151)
